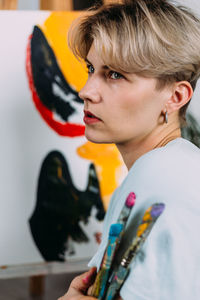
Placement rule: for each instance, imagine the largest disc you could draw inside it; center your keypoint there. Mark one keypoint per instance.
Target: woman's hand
(79, 286)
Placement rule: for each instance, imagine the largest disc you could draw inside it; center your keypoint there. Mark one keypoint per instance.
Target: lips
(88, 114)
(90, 118)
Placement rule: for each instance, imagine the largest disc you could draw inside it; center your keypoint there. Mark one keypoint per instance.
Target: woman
(143, 60)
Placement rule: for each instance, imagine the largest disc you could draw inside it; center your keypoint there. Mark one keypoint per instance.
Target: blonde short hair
(152, 38)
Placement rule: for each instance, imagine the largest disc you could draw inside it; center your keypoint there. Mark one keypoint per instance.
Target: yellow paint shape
(107, 161)
(55, 29)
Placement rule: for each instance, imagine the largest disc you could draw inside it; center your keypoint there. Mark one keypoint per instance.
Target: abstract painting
(61, 183)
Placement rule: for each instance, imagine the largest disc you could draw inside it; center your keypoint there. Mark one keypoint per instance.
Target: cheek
(136, 105)
(141, 109)
(132, 106)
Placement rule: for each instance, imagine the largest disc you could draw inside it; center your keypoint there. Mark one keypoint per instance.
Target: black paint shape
(60, 207)
(47, 75)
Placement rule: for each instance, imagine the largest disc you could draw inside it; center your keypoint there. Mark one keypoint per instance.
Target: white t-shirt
(168, 266)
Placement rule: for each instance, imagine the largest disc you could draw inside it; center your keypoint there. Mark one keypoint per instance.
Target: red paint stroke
(66, 129)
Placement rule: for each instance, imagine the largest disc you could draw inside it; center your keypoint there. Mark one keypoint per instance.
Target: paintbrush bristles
(126, 210)
(148, 220)
(150, 216)
(130, 200)
(115, 230)
(157, 210)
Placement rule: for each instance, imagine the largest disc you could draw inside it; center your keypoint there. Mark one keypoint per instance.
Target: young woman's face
(119, 108)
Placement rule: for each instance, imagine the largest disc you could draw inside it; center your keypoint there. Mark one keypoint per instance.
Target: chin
(97, 139)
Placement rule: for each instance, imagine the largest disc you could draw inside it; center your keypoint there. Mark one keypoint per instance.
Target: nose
(90, 91)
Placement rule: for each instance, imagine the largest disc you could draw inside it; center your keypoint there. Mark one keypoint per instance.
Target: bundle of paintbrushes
(108, 284)
(115, 235)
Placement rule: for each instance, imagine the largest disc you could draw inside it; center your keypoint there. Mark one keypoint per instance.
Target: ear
(181, 93)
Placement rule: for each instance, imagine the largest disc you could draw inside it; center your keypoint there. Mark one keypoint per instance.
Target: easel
(44, 4)
(8, 4)
(56, 4)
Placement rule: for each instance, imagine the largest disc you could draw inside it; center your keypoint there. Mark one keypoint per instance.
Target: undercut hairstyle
(151, 38)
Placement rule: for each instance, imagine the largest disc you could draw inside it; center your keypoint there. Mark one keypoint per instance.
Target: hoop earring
(166, 117)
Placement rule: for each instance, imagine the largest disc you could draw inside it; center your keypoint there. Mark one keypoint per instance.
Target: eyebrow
(103, 67)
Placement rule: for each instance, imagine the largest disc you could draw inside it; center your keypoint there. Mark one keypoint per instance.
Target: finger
(89, 291)
(82, 282)
(90, 276)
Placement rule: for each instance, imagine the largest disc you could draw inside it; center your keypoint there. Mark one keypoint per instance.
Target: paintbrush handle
(122, 271)
(118, 279)
(97, 285)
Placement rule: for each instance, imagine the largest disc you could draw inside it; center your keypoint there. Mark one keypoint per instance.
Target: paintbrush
(119, 276)
(102, 275)
(115, 235)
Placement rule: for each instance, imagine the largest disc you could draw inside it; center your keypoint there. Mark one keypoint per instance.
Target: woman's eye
(115, 75)
(90, 69)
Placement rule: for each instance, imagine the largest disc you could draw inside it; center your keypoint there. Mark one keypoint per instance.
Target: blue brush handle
(110, 251)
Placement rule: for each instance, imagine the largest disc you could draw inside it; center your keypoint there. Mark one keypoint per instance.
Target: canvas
(55, 185)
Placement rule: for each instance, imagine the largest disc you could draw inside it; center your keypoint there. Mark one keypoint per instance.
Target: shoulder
(176, 152)
(169, 174)
(179, 159)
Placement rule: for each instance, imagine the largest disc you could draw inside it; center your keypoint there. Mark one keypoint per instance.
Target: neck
(131, 151)
(175, 133)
